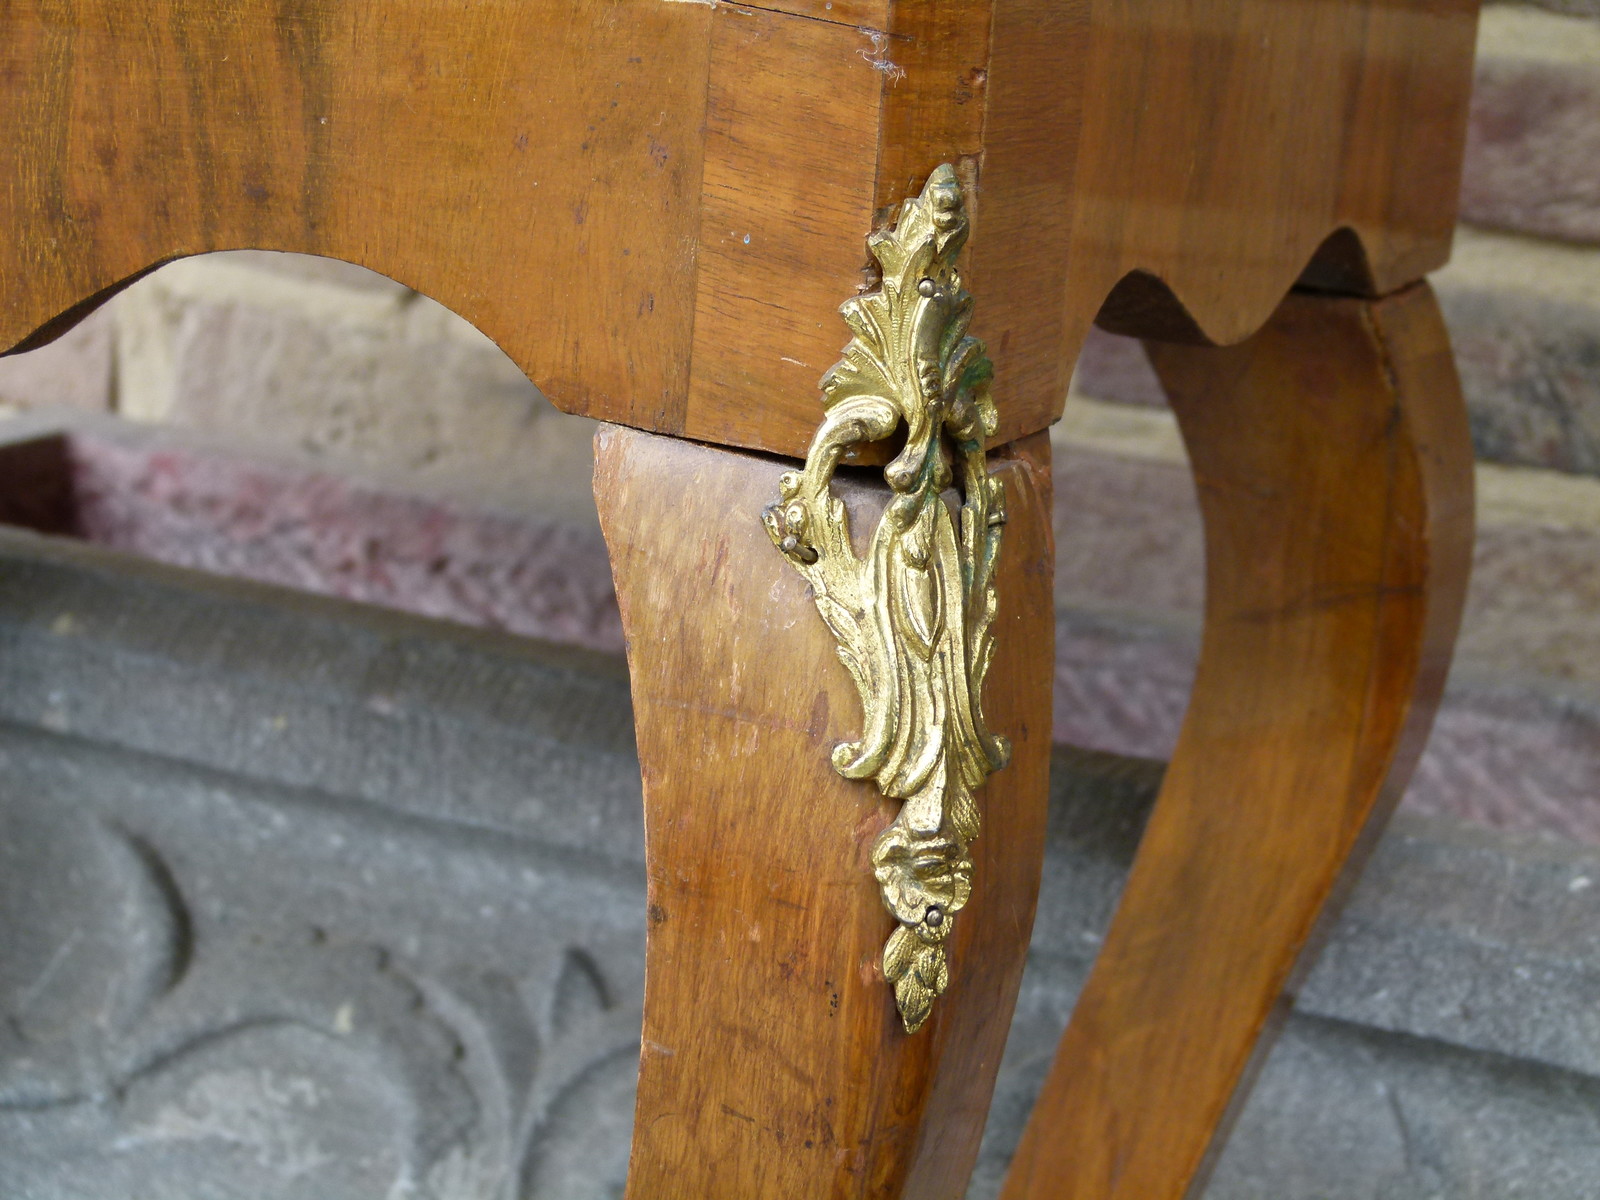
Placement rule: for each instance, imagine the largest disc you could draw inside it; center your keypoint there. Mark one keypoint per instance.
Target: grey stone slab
(218, 988)
(1454, 934)
(1341, 1112)
(397, 975)
(1464, 937)
(395, 710)
(345, 964)
(1442, 1047)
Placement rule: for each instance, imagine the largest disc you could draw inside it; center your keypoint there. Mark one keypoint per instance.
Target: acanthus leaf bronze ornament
(913, 618)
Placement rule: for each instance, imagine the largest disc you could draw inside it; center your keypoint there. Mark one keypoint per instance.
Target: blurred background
(306, 423)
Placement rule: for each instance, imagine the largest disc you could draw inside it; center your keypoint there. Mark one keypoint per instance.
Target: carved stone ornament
(914, 618)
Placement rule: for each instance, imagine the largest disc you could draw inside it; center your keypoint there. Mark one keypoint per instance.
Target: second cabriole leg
(1335, 480)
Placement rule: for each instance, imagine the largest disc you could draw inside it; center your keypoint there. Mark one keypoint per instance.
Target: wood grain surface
(1181, 163)
(774, 1063)
(534, 166)
(656, 208)
(1335, 480)
(787, 204)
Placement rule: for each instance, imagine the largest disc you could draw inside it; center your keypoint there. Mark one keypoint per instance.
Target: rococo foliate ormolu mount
(914, 618)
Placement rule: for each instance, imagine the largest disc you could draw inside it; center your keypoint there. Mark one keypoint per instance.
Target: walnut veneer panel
(656, 208)
(1203, 151)
(533, 165)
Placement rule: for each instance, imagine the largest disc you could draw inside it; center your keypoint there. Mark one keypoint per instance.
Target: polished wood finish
(534, 166)
(656, 208)
(774, 1063)
(787, 204)
(1181, 162)
(1335, 481)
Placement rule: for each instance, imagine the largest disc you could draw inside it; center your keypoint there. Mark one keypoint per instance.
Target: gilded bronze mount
(913, 618)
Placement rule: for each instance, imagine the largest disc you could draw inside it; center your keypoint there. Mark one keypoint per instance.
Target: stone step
(1517, 745)
(306, 899)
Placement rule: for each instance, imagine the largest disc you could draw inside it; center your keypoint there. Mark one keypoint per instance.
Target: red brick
(1533, 149)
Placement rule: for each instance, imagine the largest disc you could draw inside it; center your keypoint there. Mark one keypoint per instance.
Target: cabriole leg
(774, 1064)
(1335, 481)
